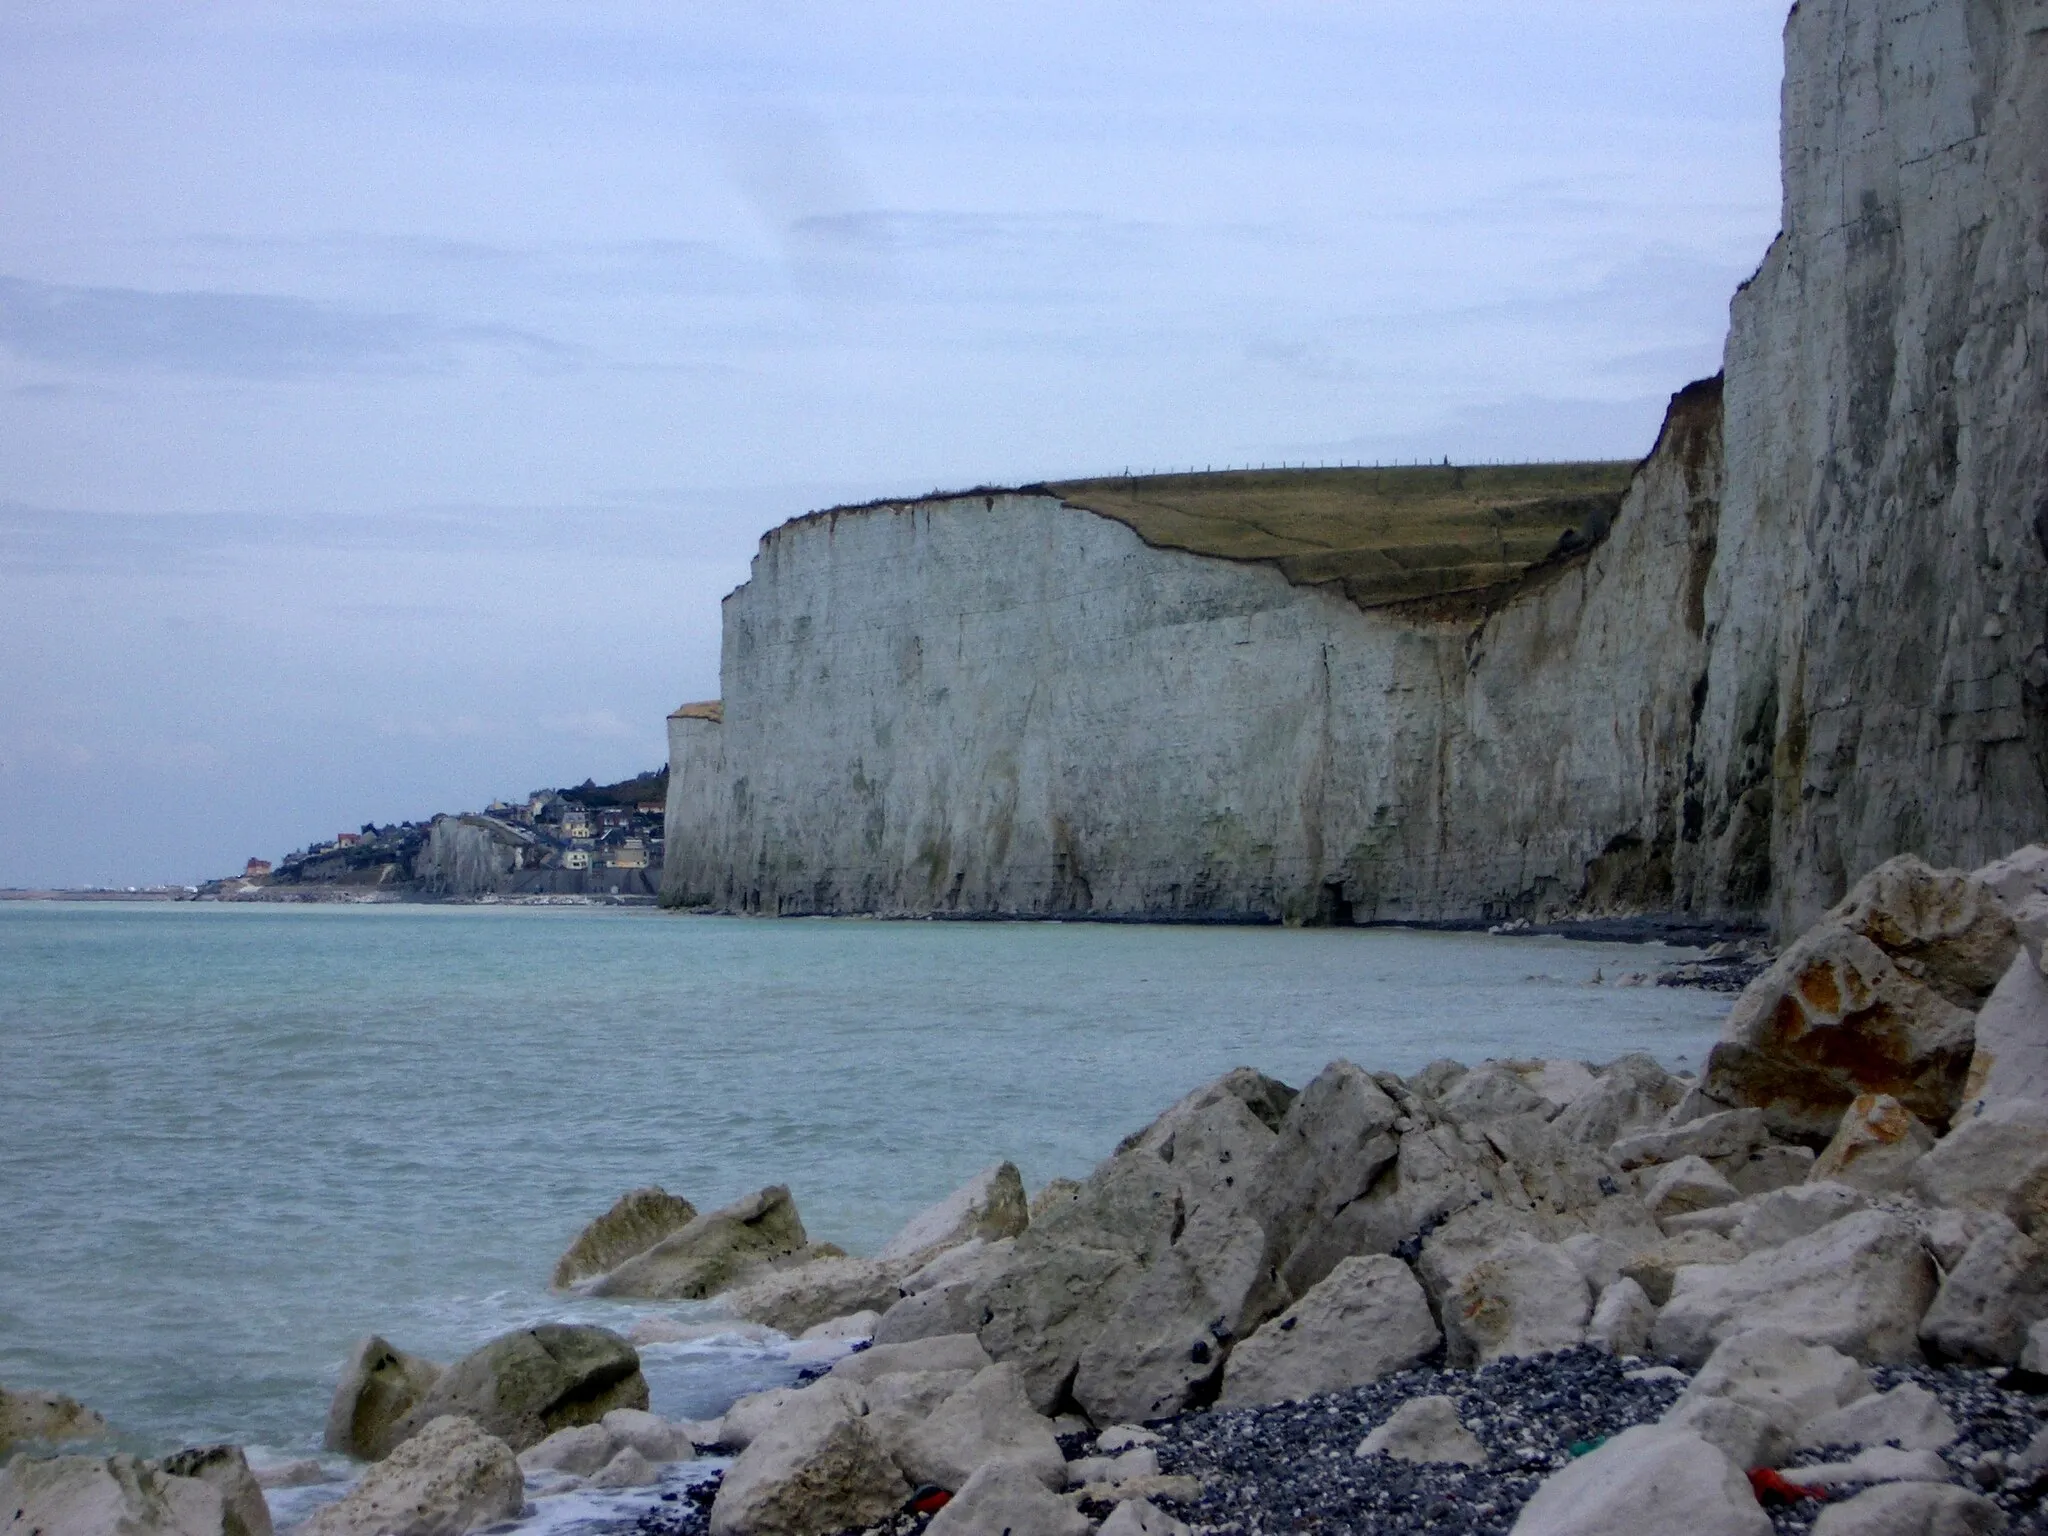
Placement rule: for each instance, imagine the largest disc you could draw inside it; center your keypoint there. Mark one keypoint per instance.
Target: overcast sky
(388, 392)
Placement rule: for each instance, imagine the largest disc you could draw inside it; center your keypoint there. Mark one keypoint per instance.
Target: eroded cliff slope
(1811, 638)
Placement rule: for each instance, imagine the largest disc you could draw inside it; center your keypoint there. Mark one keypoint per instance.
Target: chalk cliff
(1812, 637)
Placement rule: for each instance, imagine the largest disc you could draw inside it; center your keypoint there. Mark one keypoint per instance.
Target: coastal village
(593, 842)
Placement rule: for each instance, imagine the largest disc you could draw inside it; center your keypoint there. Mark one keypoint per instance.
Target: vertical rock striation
(1812, 638)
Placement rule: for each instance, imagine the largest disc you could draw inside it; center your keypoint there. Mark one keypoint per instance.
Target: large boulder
(989, 1206)
(1909, 1416)
(1780, 1215)
(1366, 1318)
(1425, 1429)
(1859, 1285)
(1788, 1382)
(449, 1478)
(715, 1251)
(525, 1385)
(1875, 1147)
(1622, 1319)
(900, 1402)
(818, 1468)
(989, 1419)
(950, 1352)
(1524, 1297)
(799, 1296)
(105, 1496)
(48, 1418)
(380, 1386)
(1878, 997)
(638, 1220)
(1731, 1133)
(1912, 1509)
(1005, 1499)
(1993, 1160)
(1307, 1193)
(1629, 1095)
(1656, 1267)
(226, 1469)
(1073, 1268)
(1165, 1342)
(1990, 1299)
(2010, 1059)
(1654, 1477)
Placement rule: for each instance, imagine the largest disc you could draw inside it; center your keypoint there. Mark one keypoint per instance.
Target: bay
(235, 1138)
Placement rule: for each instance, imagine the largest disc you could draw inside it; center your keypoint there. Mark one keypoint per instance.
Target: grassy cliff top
(1385, 535)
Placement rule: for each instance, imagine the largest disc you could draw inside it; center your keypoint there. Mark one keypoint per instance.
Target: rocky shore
(1806, 1290)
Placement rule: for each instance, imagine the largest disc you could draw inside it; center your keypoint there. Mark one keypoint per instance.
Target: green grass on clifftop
(1387, 536)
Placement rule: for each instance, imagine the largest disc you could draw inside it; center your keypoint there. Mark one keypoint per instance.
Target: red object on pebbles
(1770, 1488)
(929, 1500)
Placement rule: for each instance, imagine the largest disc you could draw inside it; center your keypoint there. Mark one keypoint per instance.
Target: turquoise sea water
(233, 1139)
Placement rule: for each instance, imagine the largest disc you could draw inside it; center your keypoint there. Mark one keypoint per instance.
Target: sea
(236, 1138)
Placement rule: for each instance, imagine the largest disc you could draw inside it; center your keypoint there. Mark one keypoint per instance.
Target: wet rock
(1005, 1499)
(1994, 1160)
(380, 1386)
(226, 1469)
(715, 1251)
(1425, 1429)
(115, 1495)
(745, 1420)
(1860, 1285)
(816, 1468)
(989, 1207)
(1367, 1317)
(627, 1469)
(989, 1419)
(525, 1385)
(449, 1478)
(1876, 1146)
(900, 1402)
(1948, 928)
(793, 1297)
(1909, 1416)
(581, 1449)
(49, 1418)
(1912, 1509)
(1650, 1478)
(640, 1219)
(1622, 1319)
(1990, 1299)
(942, 1310)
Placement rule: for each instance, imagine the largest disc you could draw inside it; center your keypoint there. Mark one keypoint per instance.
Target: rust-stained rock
(1875, 1147)
(1833, 1019)
(1942, 926)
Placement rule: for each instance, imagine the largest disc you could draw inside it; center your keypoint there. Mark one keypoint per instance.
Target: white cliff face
(1877, 608)
(1798, 652)
(1002, 704)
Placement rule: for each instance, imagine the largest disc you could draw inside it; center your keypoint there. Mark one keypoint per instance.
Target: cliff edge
(1809, 636)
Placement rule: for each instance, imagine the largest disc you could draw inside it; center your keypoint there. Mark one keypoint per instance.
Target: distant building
(576, 858)
(257, 869)
(631, 854)
(651, 808)
(578, 824)
(347, 839)
(614, 816)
